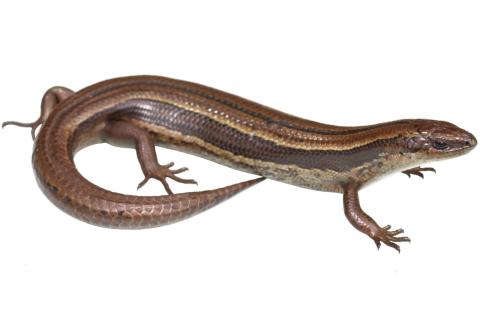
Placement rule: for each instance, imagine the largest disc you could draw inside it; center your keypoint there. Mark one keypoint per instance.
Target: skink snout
(471, 141)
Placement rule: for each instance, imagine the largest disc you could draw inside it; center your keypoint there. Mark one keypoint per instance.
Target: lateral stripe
(226, 100)
(105, 97)
(225, 137)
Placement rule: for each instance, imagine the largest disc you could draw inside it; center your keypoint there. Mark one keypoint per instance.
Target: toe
(393, 245)
(142, 183)
(181, 180)
(177, 171)
(165, 185)
(169, 165)
(395, 232)
(401, 239)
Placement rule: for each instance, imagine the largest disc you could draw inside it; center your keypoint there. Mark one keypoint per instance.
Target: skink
(142, 111)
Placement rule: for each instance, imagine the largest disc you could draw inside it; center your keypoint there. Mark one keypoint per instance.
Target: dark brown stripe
(202, 91)
(250, 146)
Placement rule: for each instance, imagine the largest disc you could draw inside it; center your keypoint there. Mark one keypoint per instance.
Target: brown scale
(144, 110)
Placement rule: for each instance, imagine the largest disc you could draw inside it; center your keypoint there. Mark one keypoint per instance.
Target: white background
(275, 251)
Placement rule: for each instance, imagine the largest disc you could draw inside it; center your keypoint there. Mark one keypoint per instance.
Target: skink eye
(439, 145)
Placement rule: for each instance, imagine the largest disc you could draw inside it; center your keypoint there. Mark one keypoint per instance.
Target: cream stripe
(240, 121)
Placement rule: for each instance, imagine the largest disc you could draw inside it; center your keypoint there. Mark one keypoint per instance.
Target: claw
(419, 174)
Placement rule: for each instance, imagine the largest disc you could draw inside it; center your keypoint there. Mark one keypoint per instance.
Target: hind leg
(50, 100)
(122, 131)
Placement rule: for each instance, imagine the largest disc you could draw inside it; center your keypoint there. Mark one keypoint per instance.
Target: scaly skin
(143, 111)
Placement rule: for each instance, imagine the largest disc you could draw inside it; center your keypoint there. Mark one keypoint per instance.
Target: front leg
(364, 223)
(418, 171)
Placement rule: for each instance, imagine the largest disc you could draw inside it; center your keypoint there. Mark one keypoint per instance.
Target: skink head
(439, 139)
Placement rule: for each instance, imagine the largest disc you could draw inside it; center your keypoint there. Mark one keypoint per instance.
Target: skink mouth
(471, 141)
(467, 142)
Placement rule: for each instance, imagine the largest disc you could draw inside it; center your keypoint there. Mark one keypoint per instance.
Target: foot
(387, 237)
(418, 171)
(145, 146)
(363, 222)
(161, 173)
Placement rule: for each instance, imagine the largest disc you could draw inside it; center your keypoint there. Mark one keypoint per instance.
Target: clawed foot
(161, 173)
(387, 237)
(418, 171)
